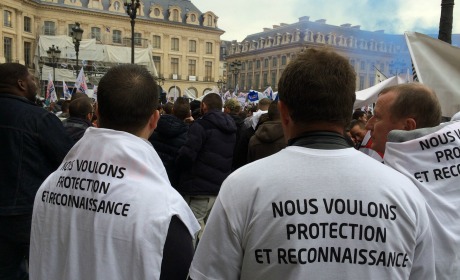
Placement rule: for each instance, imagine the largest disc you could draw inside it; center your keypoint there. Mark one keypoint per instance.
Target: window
(265, 79)
(361, 82)
(275, 62)
(116, 37)
(28, 54)
(249, 81)
(138, 39)
(7, 51)
(273, 79)
(243, 82)
(382, 67)
(156, 12)
(266, 63)
(283, 60)
(174, 65)
(193, 17)
(192, 46)
(27, 24)
(49, 28)
(257, 64)
(371, 81)
(352, 62)
(192, 67)
(175, 44)
(7, 21)
(208, 48)
(69, 29)
(96, 33)
(257, 81)
(209, 20)
(156, 42)
(207, 71)
(363, 65)
(250, 65)
(243, 66)
(175, 15)
(157, 63)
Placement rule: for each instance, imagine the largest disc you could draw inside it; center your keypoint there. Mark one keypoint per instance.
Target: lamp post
(160, 81)
(235, 68)
(77, 34)
(53, 54)
(40, 65)
(220, 84)
(131, 10)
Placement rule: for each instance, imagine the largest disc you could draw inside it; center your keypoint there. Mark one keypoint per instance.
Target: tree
(445, 22)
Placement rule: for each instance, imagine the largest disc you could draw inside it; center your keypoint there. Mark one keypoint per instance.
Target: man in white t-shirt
(304, 212)
(109, 211)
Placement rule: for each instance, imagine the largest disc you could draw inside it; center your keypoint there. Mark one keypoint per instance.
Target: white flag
(66, 91)
(51, 90)
(438, 66)
(95, 93)
(80, 83)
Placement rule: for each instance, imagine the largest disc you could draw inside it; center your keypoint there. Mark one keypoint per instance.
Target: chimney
(323, 21)
(346, 25)
(304, 18)
(356, 27)
(267, 29)
(283, 24)
(275, 26)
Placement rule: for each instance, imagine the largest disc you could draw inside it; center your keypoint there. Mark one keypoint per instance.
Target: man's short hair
(10, 73)
(233, 105)
(213, 101)
(80, 107)
(358, 114)
(168, 108)
(127, 97)
(181, 108)
(355, 122)
(319, 85)
(417, 101)
(264, 103)
(273, 113)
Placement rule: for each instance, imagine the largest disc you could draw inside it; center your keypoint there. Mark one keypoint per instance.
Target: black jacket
(206, 157)
(168, 137)
(33, 143)
(76, 127)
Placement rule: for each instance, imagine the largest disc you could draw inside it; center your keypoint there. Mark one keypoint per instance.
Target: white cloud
(240, 18)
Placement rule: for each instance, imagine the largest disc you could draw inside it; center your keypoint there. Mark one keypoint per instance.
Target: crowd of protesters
(298, 187)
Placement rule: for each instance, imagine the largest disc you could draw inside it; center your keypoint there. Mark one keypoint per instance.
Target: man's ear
(153, 121)
(410, 124)
(22, 85)
(284, 113)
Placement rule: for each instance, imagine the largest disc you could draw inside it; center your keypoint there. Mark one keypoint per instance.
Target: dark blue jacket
(168, 137)
(76, 127)
(206, 158)
(32, 145)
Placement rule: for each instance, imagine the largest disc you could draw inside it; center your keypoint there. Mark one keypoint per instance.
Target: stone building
(259, 60)
(184, 42)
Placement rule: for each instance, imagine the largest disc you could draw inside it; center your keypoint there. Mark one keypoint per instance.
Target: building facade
(259, 60)
(184, 42)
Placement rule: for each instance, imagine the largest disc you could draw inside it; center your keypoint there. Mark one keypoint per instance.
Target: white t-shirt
(433, 163)
(105, 213)
(316, 214)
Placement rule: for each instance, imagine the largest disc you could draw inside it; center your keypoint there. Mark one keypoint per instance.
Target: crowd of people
(297, 188)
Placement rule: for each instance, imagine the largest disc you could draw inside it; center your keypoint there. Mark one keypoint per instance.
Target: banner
(253, 96)
(80, 83)
(66, 91)
(269, 93)
(437, 65)
(50, 96)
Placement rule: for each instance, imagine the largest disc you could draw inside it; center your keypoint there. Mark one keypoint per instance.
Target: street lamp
(160, 81)
(77, 34)
(53, 54)
(131, 10)
(40, 65)
(220, 84)
(235, 68)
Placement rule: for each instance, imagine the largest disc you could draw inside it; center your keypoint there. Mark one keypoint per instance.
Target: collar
(324, 140)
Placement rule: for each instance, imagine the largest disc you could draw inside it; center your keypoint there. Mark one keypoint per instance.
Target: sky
(239, 18)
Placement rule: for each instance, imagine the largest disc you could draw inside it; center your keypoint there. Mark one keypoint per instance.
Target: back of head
(358, 114)
(264, 103)
(10, 73)
(78, 94)
(213, 101)
(181, 108)
(65, 106)
(233, 105)
(80, 107)
(273, 113)
(127, 97)
(195, 104)
(417, 101)
(168, 108)
(319, 85)
(355, 122)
